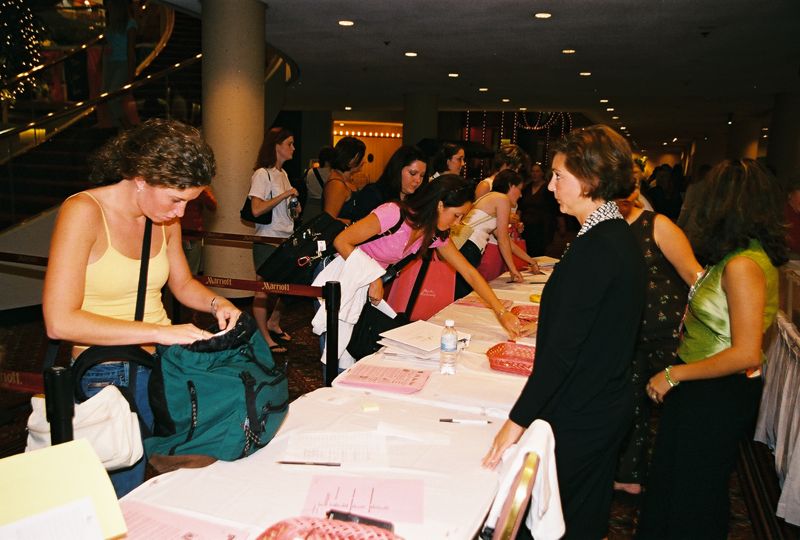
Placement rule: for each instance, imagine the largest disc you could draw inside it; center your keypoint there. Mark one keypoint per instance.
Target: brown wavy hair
(742, 201)
(601, 159)
(267, 156)
(164, 153)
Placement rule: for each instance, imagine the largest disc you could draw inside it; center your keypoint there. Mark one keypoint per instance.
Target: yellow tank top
(112, 282)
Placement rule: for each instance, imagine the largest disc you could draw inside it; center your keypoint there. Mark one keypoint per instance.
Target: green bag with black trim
(223, 397)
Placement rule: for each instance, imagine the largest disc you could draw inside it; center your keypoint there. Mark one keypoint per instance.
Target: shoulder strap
(145, 264)
(412, 299)
(318, 176)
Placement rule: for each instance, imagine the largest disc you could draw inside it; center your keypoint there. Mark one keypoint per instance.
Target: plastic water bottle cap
(449, 322)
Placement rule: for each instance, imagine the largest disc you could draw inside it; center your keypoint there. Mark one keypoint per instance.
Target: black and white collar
(607, 210)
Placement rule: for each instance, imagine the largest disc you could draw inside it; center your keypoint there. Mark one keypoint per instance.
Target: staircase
(50, 172)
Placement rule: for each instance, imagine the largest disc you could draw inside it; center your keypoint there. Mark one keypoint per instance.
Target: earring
(139, 189)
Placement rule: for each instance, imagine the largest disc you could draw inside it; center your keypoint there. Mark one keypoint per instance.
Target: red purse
(437, 291)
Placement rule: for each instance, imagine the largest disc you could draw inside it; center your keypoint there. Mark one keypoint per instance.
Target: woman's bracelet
(214, 306)
(668, 375)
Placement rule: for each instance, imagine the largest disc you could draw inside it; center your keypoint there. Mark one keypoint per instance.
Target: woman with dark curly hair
(95, 252)
(588, 322)
(730, 307)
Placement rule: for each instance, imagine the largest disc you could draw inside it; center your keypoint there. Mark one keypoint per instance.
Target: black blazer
(589, 318)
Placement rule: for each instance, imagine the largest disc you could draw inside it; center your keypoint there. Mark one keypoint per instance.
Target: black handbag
(373, 322)
(294, 260)
(246, 213)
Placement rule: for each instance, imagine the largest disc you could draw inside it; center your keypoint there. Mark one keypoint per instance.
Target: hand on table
(508, 435)
(511, 323)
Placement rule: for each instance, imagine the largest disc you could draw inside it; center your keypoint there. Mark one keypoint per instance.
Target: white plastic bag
(104, 419)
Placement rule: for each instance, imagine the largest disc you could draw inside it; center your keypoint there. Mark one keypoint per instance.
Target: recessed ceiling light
(483, 89)
(664, 143)
(348, 108)
(764, 136)
(523, 108)
(411, 54)
(585, 73)
(346, 23)
(674, 139)
(341, 124)
(453, 75)
(542, 15)
(765, 129)
(505, 100)
(615, 117)
(603, 101)
(622, 127)
(610, 109)
(567, 51)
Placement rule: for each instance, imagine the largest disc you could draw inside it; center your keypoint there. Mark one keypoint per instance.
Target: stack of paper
(419, 339)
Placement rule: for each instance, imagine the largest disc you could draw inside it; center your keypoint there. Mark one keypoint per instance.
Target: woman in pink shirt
(427, 217)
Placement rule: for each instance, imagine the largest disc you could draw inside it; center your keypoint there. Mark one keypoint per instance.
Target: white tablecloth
(257, 492)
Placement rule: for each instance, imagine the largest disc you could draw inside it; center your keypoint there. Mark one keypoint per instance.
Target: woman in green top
(730, 306)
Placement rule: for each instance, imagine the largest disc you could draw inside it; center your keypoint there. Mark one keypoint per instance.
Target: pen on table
(464, 421)
(316, 463)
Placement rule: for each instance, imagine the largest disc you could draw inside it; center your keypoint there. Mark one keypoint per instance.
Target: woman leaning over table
(270, 191)
(589, 318)
(489, 217)
(428, 216)
(95, 252)
(730, 307)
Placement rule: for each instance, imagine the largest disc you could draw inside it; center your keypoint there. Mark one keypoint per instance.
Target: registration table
(386, 455)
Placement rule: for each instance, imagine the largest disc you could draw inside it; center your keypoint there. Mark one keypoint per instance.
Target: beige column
(783, 151)
(420, 117)
(234, 50)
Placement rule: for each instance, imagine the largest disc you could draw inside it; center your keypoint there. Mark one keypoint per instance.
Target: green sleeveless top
(707, 325)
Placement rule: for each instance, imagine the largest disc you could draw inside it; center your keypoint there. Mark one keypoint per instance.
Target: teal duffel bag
(223, 397)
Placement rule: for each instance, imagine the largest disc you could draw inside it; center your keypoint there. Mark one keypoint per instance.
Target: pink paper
(390, 500)
(146, 522)
(390, 379)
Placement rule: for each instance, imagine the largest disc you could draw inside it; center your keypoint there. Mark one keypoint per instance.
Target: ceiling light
(765, 129)
(411, 54)
(542, 15)
(341, 124)
(523, 108)
(453, 75)
(674, 139)
(664, 143)
(483, 89)
(505, 100)
(567, 51)
(585, 73)
(348, 108)
(346, 23)
(610, 109)
(603, 101)
(622, 127)
(615, 117)
(764, 136)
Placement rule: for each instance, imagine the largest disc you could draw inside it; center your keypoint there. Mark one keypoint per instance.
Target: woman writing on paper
(589, 319)
(489, 217)
(95, 252)
(426, 220)
(730, 307)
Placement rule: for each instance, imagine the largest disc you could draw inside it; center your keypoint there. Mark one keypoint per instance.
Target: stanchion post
(59, 404)
(332, 292)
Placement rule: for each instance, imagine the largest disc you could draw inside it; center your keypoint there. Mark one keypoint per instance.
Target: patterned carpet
(22, 347)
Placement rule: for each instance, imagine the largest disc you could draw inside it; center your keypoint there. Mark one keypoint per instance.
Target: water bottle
(448, 349)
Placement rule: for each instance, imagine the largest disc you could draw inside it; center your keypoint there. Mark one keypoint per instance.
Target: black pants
(473, 255)
(696, 449)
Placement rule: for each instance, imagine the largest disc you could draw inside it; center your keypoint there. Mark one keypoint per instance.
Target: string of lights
(20, 47)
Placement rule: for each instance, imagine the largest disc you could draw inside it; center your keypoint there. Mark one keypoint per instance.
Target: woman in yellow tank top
(90, 287)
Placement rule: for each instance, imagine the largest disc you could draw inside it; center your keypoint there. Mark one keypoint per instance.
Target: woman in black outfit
(590, 312)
